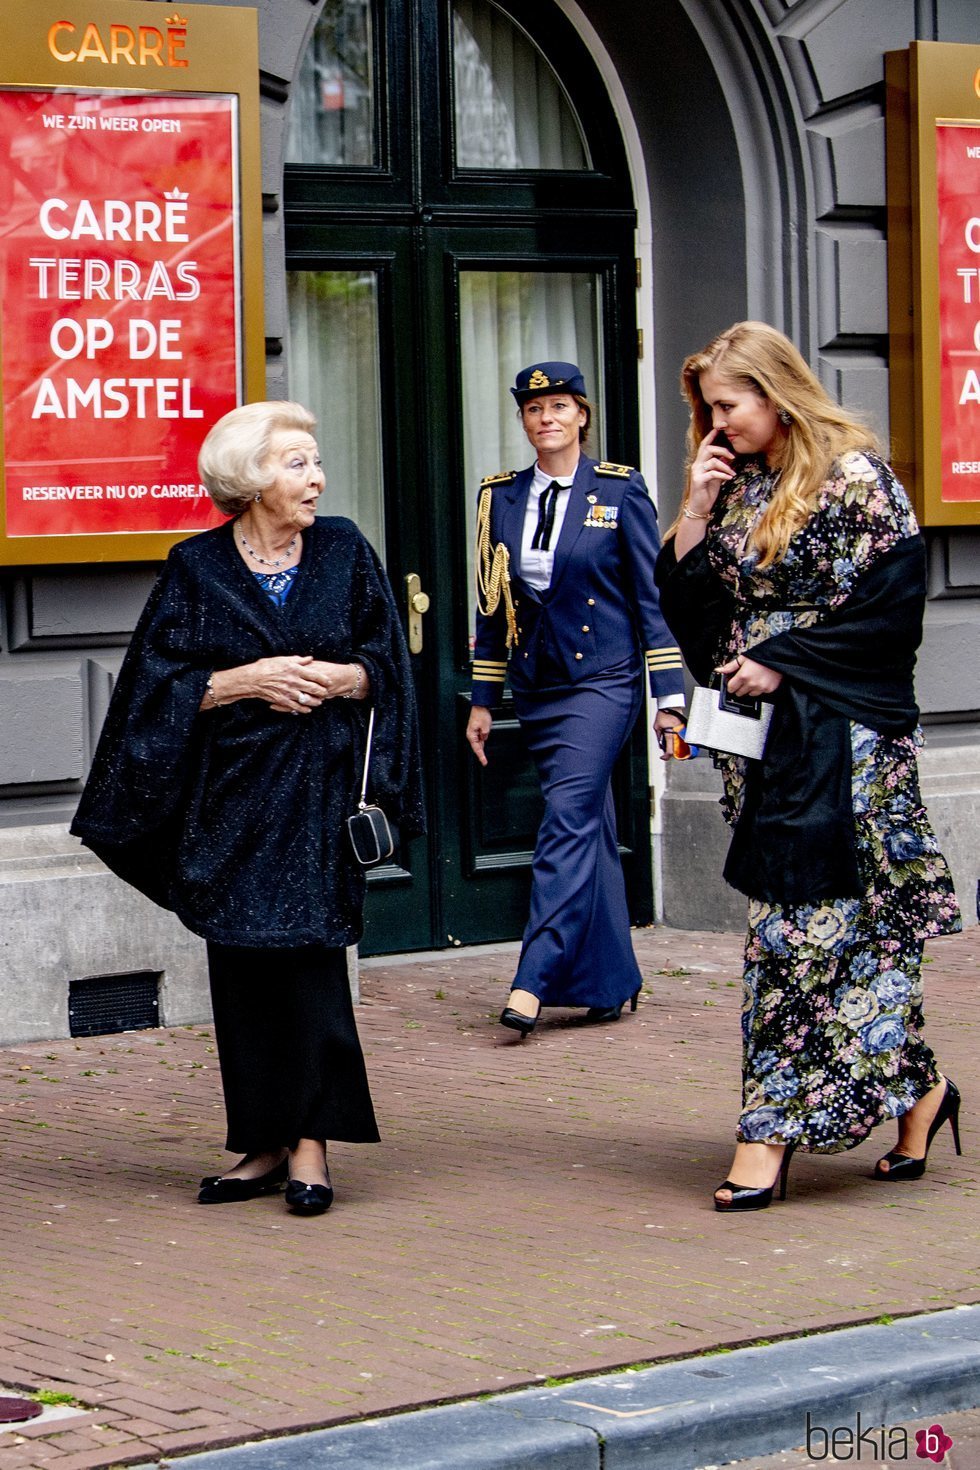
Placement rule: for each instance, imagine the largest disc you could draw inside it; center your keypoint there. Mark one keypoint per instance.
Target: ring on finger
(301, 698)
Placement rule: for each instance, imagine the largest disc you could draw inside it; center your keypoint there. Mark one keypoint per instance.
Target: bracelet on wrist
(694, 515)
(358, 681)
(210, 694)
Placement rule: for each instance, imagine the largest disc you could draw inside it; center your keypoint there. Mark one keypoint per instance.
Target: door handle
(418, 606)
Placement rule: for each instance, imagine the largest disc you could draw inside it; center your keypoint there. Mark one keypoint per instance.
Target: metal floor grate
(105, 1003)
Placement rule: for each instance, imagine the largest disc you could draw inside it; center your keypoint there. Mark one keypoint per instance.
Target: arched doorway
(457, 203)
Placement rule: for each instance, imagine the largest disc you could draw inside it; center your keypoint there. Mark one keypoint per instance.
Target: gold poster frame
(220, 55)
(932, 82)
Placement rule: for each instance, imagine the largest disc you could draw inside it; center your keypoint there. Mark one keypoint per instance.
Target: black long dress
(235, 818)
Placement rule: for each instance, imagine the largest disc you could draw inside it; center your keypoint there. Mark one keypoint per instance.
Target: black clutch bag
(370, 834)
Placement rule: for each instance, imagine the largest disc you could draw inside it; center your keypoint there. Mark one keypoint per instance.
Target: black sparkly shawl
(235, 818)
(794, 838)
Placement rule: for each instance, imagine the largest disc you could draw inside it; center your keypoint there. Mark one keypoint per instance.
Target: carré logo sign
(116, 44)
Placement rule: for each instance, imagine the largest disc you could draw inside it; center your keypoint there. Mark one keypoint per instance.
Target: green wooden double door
(427, 262)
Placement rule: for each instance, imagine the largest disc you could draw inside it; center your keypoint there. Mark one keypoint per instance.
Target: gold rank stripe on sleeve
(659, 659)
(620, 471)
(488, 671)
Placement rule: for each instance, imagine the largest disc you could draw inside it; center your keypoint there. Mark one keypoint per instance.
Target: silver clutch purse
(728, 723)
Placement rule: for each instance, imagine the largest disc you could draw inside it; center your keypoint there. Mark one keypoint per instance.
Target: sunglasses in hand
(675, 747)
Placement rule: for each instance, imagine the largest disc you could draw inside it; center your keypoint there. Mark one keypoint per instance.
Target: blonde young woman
(796, 568)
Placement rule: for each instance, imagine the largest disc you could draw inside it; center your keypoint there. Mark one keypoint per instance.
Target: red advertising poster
(958, 187)
(119, 316)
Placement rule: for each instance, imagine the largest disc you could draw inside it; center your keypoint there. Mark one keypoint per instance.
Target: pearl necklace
(264, 560)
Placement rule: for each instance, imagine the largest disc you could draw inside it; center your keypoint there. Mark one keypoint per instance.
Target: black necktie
(541, 541)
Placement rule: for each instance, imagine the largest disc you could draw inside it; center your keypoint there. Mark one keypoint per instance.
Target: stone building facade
(749, 141)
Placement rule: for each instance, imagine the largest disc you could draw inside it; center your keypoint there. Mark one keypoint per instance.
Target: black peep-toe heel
(901, 1166)
(745, 1197)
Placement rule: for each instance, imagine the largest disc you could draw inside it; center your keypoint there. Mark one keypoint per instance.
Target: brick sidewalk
(534, 1210)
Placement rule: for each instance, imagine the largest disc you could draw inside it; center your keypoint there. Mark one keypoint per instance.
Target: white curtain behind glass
(508, 320)
(333, 369)
(511, 110)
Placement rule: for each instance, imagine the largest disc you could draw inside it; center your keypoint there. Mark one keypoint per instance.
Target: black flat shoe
(902, 1166)
(595, 1015)
(517, 1021)
(746, 1198)
(217, 1190)
(308, 1199)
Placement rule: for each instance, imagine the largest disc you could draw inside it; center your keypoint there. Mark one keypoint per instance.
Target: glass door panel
(332, 119)
(510, 108)
(502, 300)
(508, 319)
(334, 370)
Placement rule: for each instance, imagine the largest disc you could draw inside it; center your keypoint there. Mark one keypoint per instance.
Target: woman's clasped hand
(290, 683)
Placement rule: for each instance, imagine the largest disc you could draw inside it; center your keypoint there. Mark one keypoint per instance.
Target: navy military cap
(548, 377)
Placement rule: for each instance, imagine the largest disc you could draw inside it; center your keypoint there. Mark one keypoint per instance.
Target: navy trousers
(577, 949)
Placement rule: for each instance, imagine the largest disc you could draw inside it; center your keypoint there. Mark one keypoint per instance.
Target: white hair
(234, 458)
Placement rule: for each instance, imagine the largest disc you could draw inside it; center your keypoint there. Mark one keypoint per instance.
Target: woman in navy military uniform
(565, 558)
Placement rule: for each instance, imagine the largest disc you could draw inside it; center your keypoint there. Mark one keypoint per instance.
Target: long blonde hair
(755, 356)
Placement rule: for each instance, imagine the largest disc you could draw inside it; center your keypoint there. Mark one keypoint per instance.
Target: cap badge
(538, 379)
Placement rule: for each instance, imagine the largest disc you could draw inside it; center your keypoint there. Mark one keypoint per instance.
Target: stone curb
(680, 1416)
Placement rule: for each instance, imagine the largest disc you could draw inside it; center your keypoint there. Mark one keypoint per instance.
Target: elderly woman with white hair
(229, 761)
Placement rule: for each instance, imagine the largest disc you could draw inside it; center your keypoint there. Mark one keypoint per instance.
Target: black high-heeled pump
(517, 1021)
(595, 1015)
(745, 1197)
(902, 1166)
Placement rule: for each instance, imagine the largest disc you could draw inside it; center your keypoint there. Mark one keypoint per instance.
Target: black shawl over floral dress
(831, 841)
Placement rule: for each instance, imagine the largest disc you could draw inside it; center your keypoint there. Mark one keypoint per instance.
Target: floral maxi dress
(832, 1010)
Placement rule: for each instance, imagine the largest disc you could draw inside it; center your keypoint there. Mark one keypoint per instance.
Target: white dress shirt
(537, 566)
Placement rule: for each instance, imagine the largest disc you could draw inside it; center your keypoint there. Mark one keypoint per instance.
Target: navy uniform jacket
(602, 605)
